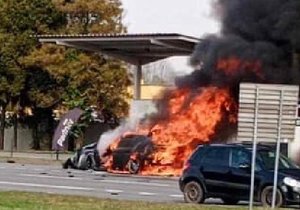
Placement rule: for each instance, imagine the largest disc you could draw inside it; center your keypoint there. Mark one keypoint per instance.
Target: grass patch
(42, 201)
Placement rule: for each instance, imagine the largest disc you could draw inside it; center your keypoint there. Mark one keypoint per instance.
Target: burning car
(130, 154)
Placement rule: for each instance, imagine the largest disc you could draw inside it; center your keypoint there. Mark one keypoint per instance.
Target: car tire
(65, 165)
(266, 197)
(68, 164)
(193, 192)
(89, 163)
(133, 166)
(85, 162)
(230, 201)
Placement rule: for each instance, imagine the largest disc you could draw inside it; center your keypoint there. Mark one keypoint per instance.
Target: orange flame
(193, 119)
(107, 159)
(188, 126)
(232, 65)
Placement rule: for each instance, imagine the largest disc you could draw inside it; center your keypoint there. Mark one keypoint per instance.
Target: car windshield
(268, 159)
(131, 141)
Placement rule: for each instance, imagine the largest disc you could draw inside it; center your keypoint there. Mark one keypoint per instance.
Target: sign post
(277, 152)
(267, 114)
(254, 152)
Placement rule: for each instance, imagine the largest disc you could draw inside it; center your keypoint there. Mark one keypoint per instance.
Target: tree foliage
(19, 19)
(49, 76)
(79, 79)
(23, 16)
(95, 79)
(92, 16)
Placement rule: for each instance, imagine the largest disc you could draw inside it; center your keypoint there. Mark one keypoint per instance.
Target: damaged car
(131, 153)
(85, 158)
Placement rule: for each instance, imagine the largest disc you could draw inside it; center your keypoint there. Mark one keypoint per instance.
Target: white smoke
(138, 111)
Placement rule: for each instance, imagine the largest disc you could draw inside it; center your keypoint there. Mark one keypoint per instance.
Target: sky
(188, 17)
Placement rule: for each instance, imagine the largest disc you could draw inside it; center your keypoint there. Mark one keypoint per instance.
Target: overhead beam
(115, 37)
(128, 59)
(164, 44)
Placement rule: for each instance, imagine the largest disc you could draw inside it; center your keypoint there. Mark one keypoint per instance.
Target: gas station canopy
(136, 49)
(132, 48)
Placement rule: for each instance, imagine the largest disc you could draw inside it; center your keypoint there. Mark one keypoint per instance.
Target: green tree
(11, 78)
(80, 79)
(19, 19)
(49, 76)
(74, 78)
(92, 16)
(95, 78)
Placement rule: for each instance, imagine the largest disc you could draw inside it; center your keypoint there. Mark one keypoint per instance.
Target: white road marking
(51, 177)
(46, 186)
(176, 196)
(55, 171)
(134, 183)
(99, 172)
(38, 169)
(113, 191)
(2, 167)
(146, 193)
(19, 168)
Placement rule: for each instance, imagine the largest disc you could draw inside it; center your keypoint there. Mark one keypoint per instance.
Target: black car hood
(294, 173)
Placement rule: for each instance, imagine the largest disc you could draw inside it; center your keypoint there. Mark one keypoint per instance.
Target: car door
(240, 172)
(215, 169)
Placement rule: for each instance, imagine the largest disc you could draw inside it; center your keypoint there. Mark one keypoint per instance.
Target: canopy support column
(137, 81)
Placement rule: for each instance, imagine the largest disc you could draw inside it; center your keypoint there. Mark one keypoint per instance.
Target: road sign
(269, 100)
(267, 113)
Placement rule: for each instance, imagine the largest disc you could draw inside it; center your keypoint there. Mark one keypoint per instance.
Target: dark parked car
(131, 154)
(224, 171)
(85, 158)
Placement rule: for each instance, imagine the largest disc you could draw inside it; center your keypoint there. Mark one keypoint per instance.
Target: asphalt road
(53, 179)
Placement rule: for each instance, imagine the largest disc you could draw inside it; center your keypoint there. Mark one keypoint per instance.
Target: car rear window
(131, 141)
(197, 155)
(218, 156)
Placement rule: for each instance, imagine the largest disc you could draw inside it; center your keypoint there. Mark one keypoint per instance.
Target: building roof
(132, 48)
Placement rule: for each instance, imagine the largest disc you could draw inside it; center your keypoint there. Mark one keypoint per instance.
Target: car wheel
(65, 165)
(89, 163)
(193, 192)
(230, 201)
(133, 166)
(266, 197)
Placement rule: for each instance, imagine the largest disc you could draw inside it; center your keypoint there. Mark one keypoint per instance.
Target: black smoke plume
(267, 31)
(263, 36)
